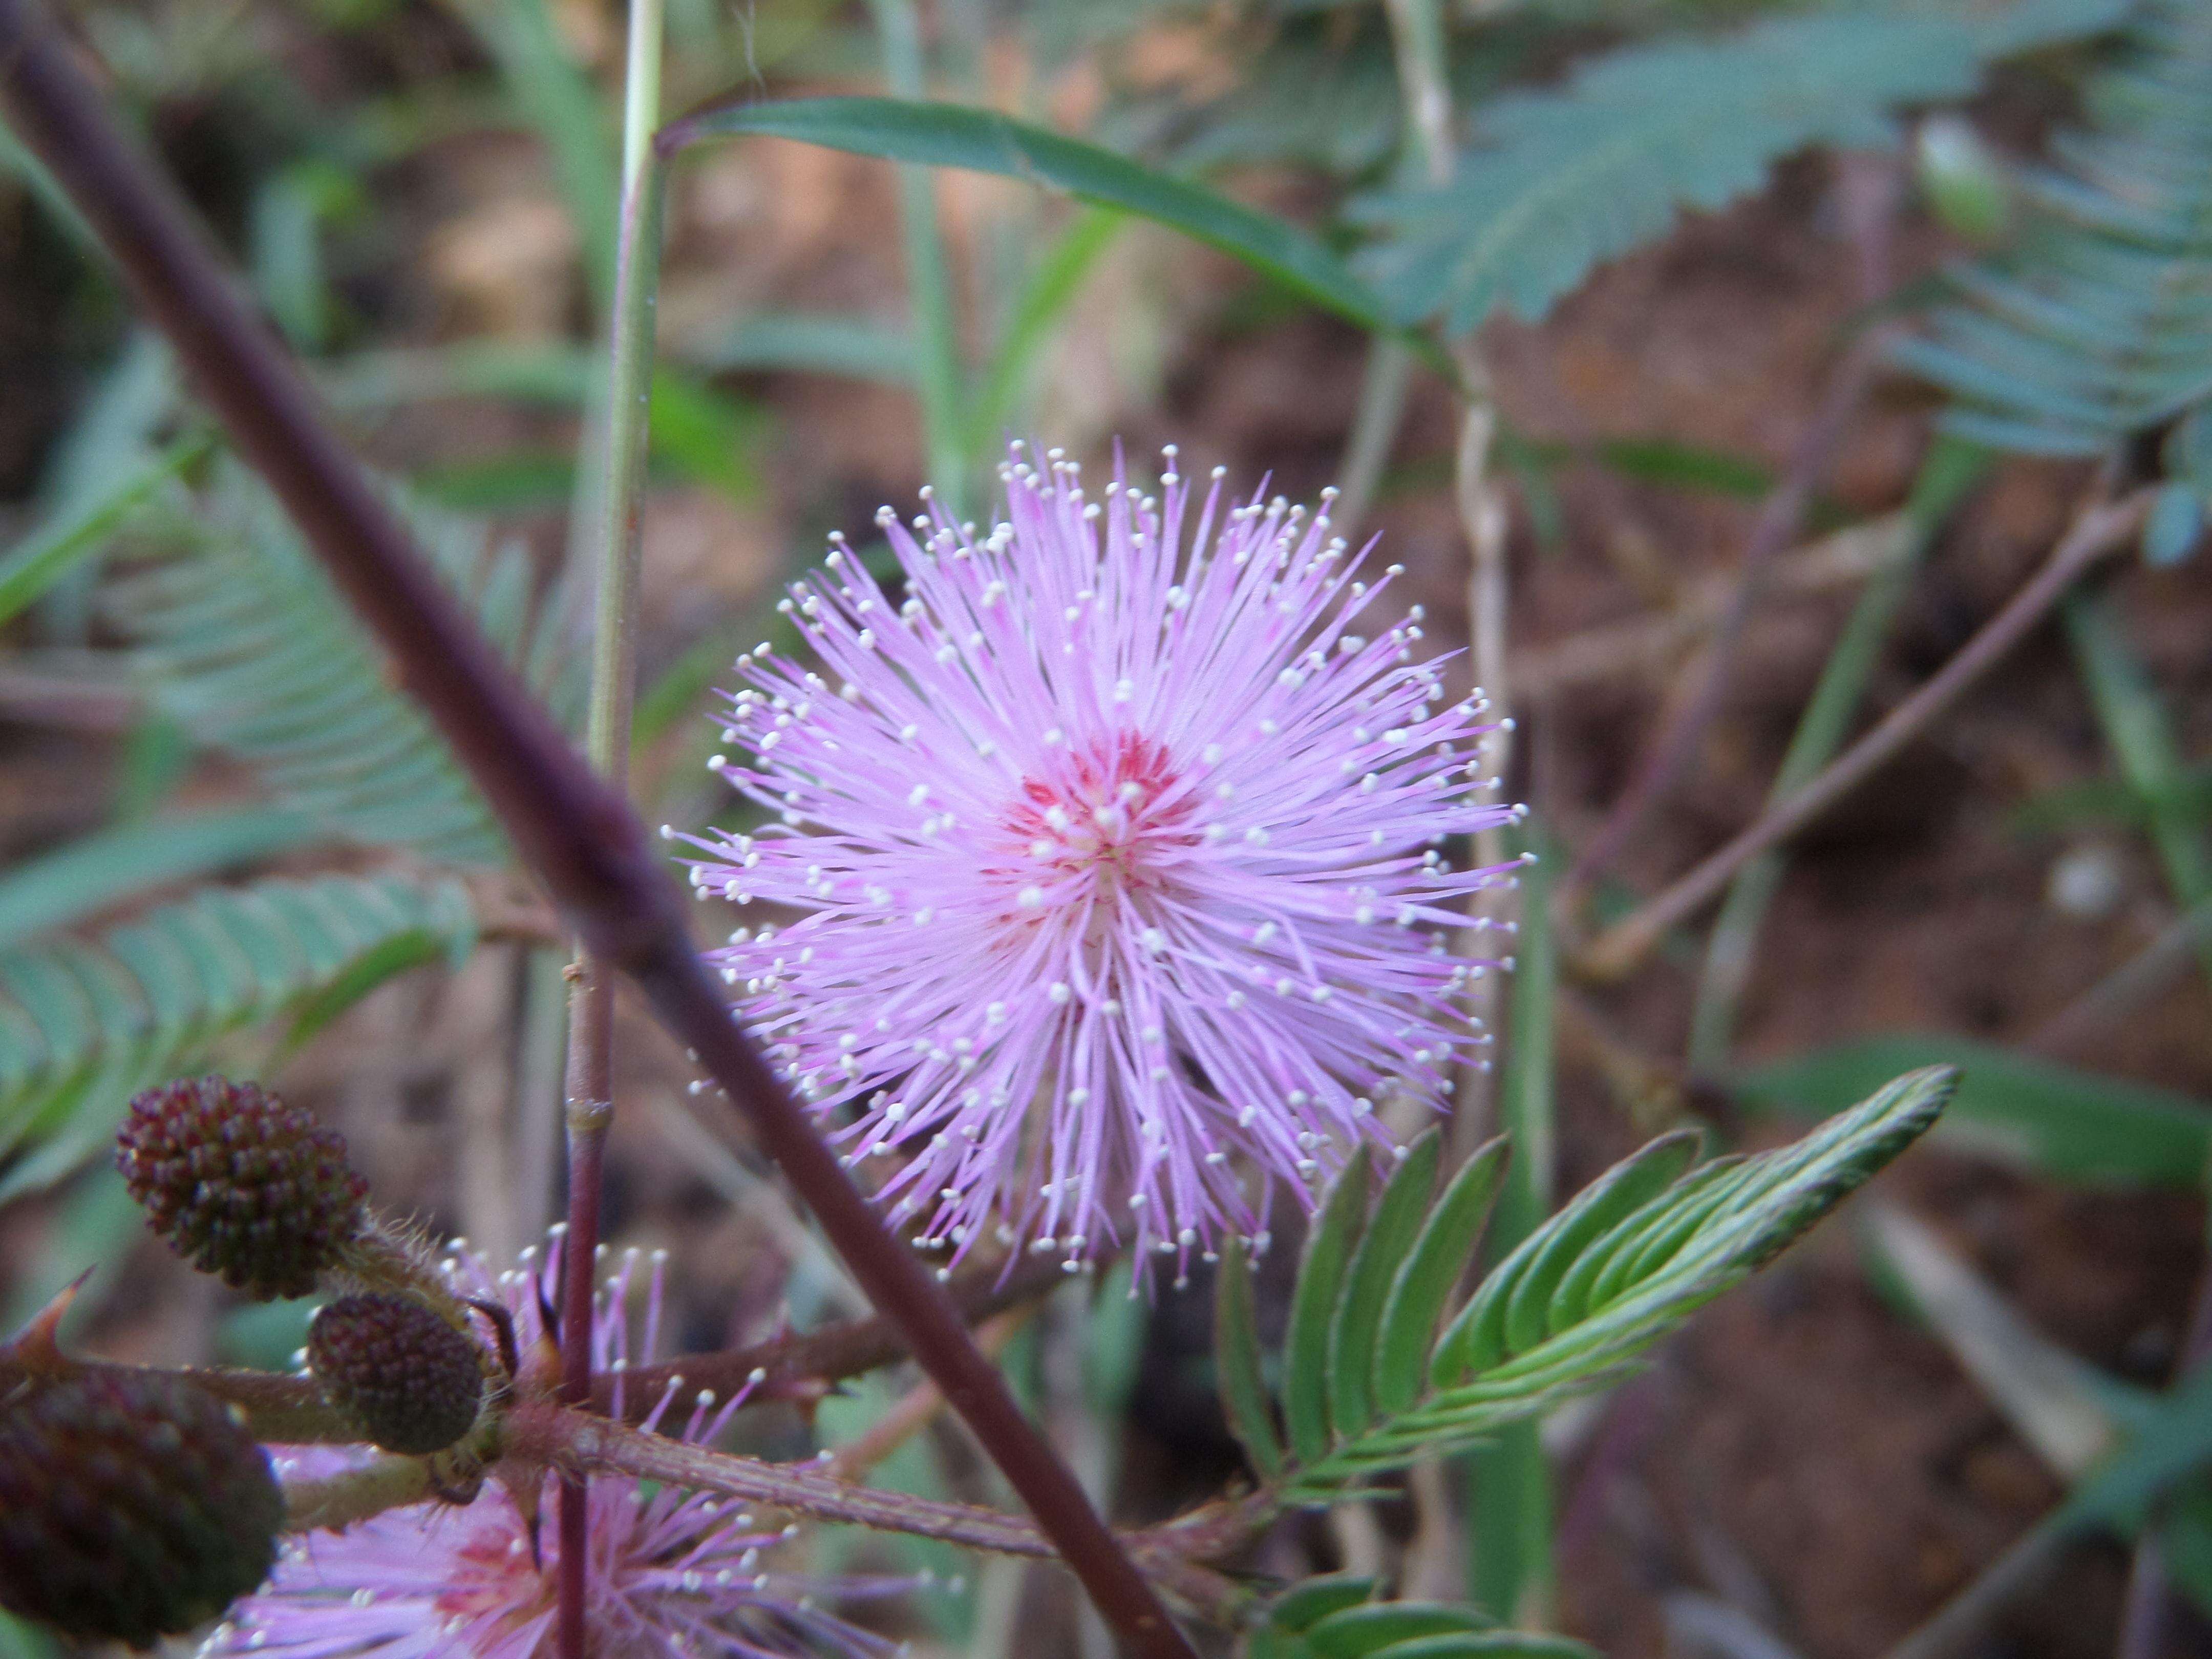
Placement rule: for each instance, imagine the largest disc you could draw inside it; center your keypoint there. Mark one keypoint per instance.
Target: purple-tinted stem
(576, 833)
(590, 1090)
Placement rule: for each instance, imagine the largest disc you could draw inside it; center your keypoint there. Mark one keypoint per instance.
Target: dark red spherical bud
(240, 1184)
(132, 1507)
(411, 1380)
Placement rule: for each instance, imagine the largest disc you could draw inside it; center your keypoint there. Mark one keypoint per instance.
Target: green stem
(1510, 1572)
(613, 555)
(1950, 469)
(1383, 388)
(629, 393)
(2140, 734)
(938, 374)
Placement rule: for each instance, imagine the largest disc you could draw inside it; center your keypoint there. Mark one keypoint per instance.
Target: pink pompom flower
(1118, 842)
(671, 1574)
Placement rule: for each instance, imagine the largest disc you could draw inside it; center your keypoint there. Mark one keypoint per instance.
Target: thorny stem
(802, 1368)
(292, 1411)
(614, 554)
(578, 835)
(566, 1439)
(2096, 530)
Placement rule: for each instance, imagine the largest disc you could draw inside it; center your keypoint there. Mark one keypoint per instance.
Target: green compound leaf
(244, 642)
(1579, 1302)
(983, 140)
(1558, 180)
(1337, 1617)
(1429, 1274)
(2098, 323)
(1381, 1251)
(85, 1024)
(1236, 1354)
(1314, 1303)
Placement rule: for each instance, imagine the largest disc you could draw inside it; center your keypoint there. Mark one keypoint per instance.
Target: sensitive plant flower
(670, 1573)
(1120, 857)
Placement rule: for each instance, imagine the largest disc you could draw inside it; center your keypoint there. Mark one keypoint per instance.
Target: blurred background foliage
(232, 842)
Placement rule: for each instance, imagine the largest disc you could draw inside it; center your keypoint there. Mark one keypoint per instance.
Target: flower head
(1120, 848)
(670, 1573)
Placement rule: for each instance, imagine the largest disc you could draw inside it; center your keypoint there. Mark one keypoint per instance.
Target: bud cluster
(412, 1382)
(242, 1185)
(131, 1506)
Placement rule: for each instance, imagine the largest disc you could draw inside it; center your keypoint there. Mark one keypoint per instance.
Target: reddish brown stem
(802, 1368)
(1869, 198)
(576, 832)
(2099, 530)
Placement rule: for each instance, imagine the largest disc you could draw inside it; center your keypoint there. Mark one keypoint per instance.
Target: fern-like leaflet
(1369, 1385)
(1339, 1617)
(2098, 323)
(86, 1024)
(243, 641)
(1560, 179)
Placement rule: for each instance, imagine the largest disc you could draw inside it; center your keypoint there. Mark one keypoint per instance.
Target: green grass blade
(1949, 471)
(805, 343)
(1236, 1361)
(559, 101)
(2139, 734)
(2072, 1126)
(31, 567)
(1051, 289)
(1313, 1310)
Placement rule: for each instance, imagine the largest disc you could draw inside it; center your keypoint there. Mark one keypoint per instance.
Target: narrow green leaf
(85, 1025)
(1313, 1310)
(984, 141)
(1430, 1271)
(1051, 289)
(2073, 1126)
(1511, 1571)
(1381, 1251)
(1489, 1644)
(1650, 1239)
(2140, 732)
(1237, 1362)
(1608, 1201)
(52, 551)
(557, 99)
(1357, 1631)
(73, 883)
(811, 344)
(1303, 1605)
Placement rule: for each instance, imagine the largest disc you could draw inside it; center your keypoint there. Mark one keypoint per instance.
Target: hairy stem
(613, 555)
(579, 836)
(2098, 531)
(565, 1439)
